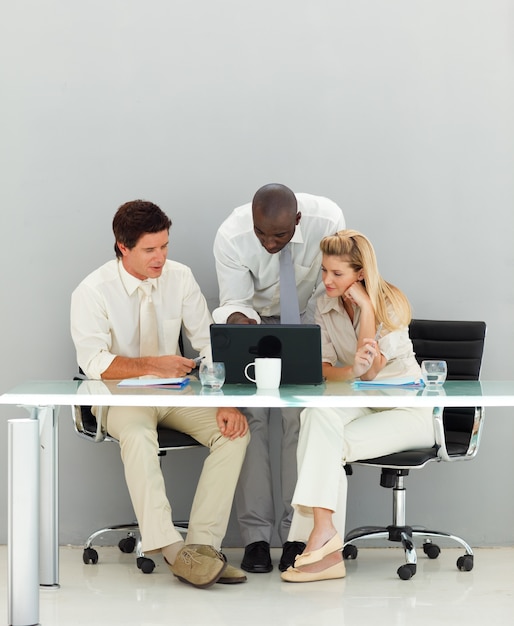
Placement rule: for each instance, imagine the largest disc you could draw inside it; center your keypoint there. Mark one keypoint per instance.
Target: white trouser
(329, 438)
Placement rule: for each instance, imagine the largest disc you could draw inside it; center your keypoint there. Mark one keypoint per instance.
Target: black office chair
(457, 435)
(88, 427)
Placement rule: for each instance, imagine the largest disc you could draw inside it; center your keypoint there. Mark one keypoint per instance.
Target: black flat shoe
(257, 558)
(290, 550)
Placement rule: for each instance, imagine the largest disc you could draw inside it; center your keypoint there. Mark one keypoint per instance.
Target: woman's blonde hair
(357, 250)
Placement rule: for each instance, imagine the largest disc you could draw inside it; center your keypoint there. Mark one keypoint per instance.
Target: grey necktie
(289, 310)
(148, 335)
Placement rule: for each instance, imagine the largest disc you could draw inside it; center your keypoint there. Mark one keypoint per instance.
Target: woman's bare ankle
(319, 538)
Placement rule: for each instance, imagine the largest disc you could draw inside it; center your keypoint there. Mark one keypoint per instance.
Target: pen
(377, 335)
(198, 360)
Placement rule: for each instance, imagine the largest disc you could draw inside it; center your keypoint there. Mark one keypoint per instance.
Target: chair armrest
(92, 427)
(474, 438)
(101, 433)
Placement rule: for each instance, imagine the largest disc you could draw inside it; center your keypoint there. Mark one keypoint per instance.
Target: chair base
(127, 544)
(405, 535)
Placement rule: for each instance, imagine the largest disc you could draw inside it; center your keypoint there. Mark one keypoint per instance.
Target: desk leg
(49, 526)
(23, 521)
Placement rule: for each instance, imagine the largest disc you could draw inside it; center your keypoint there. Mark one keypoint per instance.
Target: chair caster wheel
(350, 552)
(407, 571)
(431, 550)
(90, 555)
(127, 544)
(465, 563)
(147, 566)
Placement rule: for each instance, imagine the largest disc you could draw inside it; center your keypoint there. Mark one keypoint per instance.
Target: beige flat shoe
(308, 558)
(293, 575)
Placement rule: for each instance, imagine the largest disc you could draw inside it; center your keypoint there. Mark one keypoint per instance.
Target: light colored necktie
(289, 310)
(148, 335)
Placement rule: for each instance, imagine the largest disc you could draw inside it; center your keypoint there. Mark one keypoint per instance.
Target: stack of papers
(162, 383)
(387, 382)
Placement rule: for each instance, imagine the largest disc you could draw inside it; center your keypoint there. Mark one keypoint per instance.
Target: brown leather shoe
(231, 575)
(197, 569)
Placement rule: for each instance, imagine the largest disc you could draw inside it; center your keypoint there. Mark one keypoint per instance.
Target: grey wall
(401, 111)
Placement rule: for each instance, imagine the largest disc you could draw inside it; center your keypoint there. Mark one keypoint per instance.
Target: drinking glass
(212, 375)
(433, 372)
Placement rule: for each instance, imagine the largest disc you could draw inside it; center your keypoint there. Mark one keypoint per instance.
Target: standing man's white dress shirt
(248, 276)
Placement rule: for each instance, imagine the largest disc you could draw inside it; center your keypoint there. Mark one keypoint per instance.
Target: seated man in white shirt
(246, 249)
(105, 326)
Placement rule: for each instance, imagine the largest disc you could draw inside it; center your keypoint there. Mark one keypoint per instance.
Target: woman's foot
(318, 547)
(327, 561)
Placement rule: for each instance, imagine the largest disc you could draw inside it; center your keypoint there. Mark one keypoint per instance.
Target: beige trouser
(135, 429)
(329, 438)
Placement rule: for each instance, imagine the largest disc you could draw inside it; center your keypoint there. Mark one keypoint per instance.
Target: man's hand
(231, 422)
(240, 318)
(169, 366)
(172, 366)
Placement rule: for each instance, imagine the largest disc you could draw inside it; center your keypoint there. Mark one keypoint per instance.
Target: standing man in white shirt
(108, 311)
(246, 250)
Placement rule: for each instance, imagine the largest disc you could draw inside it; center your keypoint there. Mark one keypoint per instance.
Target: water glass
(433, 372)
(212, 375)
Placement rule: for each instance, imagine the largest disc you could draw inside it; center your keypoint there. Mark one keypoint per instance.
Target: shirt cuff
(221, 314)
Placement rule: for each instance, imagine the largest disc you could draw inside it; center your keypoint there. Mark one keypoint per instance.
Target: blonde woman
(357, 302)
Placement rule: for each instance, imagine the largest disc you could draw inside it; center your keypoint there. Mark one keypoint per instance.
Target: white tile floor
(115, 592)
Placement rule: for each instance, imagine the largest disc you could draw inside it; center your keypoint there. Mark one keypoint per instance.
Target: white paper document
(175, 383)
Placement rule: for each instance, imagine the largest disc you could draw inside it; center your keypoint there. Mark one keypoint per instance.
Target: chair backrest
(461, 345)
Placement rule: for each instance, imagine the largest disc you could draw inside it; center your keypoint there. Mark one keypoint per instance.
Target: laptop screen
(298, 345)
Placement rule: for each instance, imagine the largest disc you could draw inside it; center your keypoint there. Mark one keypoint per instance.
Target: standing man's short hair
(273, 199)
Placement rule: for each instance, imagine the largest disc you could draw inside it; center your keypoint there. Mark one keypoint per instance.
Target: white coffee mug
(267, 372)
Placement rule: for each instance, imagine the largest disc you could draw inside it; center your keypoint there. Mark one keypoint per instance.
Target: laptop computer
(298, 345)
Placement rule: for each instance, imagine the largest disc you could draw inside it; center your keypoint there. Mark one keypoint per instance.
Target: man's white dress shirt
(248, 275)
(105, 314)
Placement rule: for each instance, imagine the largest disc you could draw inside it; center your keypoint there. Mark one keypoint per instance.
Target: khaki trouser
(135, 429)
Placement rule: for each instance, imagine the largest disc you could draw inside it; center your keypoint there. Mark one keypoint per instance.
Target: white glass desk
(32, 445)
